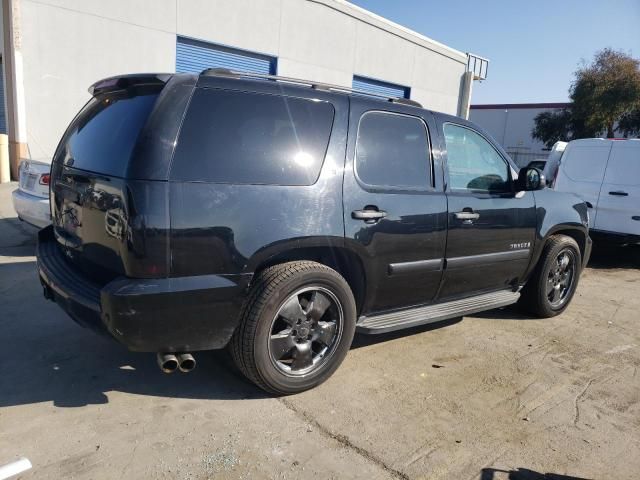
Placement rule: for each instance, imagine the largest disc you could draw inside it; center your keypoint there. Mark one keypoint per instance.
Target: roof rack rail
(225, 72)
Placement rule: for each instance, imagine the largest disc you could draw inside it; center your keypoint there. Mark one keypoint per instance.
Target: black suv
(277, 217)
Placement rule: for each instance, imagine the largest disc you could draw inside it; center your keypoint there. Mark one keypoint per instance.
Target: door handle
(368, 215)
(467, 216)
(619, 193)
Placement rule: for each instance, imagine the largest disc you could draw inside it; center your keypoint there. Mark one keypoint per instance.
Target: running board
(388, 322)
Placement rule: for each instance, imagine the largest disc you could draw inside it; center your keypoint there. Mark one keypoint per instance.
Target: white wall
(69, 44)
(511, 127)
(330, 41)
(65, 50)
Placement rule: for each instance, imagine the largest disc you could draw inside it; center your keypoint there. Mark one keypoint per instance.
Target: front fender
(559, 212)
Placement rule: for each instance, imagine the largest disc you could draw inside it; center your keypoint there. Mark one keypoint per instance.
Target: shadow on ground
(605, 256)
(48, 358)
(361, 340)
(511, 312)
(17, 238)
(78, 368)
(523, 474)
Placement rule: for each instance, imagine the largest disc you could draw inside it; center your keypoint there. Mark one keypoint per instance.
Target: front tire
(297, 326)
(553, 284)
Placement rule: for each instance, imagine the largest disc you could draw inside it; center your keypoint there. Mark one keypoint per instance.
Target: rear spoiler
(122, 82)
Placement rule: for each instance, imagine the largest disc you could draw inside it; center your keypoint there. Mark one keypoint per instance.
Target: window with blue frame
(194, 56)
(378, 87)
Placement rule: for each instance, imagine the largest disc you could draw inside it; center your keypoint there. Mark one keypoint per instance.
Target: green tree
(630, 123)
(553, 126)
(604, 94)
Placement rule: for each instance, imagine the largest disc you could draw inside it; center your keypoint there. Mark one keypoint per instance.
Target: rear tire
(555, 279)
(296, 328)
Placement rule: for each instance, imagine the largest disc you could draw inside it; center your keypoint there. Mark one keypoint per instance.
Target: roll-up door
(379, 87)
(196, 56)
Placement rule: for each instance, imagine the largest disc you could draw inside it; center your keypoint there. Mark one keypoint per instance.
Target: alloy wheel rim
(305, 331)
(560, 278)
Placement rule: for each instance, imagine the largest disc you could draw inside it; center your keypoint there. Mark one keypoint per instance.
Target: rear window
(392, 152)
(251, 138)
(103, 135)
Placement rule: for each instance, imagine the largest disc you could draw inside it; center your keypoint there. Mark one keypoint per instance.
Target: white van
(553, 162)
(606, 175)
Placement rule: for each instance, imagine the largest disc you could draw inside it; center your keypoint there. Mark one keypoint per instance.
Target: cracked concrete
(343, 440)
(511, 394)
(576, 401)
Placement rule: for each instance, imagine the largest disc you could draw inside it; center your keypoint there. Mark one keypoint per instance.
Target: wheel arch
(346, 262)
(574, 231)
(578, 234)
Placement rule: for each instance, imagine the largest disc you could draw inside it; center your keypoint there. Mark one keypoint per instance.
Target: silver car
(31, 198)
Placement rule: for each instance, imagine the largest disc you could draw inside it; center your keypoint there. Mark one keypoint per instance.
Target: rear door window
(252, 138)
(104, 134)
(392, 152)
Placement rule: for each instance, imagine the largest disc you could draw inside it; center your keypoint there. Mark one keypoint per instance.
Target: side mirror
(530, 178)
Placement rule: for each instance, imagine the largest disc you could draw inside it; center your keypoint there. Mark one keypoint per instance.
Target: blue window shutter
(193, 56)
(379, 87)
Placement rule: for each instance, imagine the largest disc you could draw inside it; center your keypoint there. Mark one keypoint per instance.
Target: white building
(54, 49)
(511, 125)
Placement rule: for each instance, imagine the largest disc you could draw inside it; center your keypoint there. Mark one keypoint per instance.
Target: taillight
(44, 179)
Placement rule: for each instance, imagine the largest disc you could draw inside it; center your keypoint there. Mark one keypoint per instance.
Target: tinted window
(237, 137)
(105, 132)
(393, 151)
(473, 163)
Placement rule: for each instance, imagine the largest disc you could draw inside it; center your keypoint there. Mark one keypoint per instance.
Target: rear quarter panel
(227, 229)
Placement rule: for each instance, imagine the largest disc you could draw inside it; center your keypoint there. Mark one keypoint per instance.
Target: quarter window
(250, 138)
(392, 151)
(473, 163)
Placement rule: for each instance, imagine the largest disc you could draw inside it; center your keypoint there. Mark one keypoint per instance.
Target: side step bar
(388, 322)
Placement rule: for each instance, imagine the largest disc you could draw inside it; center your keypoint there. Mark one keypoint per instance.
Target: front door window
(474, 165)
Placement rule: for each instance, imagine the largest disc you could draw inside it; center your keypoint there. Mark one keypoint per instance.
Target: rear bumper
(146, 315)
(31, 209)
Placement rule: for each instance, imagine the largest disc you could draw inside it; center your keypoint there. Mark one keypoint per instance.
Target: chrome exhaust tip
(167, 362)
(186, 362)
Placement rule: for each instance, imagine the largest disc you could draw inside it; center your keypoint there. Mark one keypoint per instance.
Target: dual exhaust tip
(170, 362)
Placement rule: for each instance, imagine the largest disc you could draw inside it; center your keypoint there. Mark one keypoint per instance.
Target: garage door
(379, 87)
(196, 56)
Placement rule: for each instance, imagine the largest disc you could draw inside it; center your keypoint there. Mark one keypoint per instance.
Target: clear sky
(534, 46)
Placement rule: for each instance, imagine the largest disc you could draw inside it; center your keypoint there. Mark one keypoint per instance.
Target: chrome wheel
(306, 331)
(561, 277)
